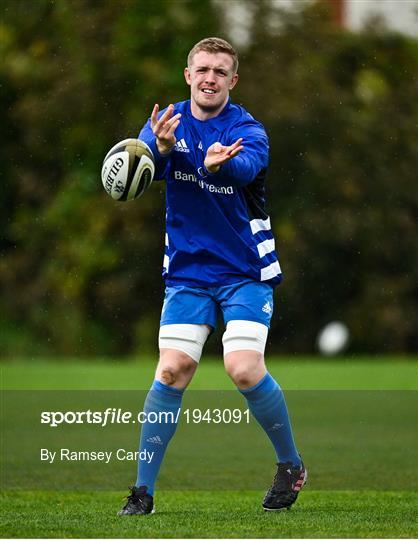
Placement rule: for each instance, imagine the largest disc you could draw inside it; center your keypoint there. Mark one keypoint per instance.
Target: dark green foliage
(81, 273)
(340, 111)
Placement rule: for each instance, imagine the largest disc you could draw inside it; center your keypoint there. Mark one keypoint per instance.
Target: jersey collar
(223, 114)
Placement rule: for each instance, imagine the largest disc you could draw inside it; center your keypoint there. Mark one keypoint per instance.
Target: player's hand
(218, 154)
(164, 128)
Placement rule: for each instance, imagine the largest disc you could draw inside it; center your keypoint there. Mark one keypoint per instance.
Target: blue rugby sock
(267, 404)
(155, 436)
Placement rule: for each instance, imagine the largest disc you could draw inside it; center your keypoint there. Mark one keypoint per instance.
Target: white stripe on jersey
(260, 225)
(270, 271)
(265, 247)
(166, 239)
(166, 262)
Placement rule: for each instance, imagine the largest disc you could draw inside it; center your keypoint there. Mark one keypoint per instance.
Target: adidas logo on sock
(155, 440)
(275, 427)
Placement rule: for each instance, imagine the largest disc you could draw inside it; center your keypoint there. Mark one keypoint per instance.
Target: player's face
(210, 78)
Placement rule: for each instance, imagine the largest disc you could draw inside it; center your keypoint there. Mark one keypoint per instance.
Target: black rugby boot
(138, 503)
(287, 483)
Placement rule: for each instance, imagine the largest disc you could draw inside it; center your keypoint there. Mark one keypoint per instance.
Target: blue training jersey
(217, 229)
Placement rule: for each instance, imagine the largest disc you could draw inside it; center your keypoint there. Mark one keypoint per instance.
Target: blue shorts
(245, 301)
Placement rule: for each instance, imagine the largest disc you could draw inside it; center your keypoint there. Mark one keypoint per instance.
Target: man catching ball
(219, 257)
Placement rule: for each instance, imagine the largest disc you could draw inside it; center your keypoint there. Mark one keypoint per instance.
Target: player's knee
(244, 367)
(187, 339)
(242, 376)
(175, 367)
(244, 343)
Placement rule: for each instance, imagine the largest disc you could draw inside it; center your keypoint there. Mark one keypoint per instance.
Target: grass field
(383, 506)
(205, 514)
(293, 373)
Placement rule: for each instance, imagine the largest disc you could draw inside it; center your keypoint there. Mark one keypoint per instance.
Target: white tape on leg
(245, 335)
(188, 338)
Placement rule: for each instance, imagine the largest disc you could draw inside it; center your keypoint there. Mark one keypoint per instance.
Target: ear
(234, 81)
(187, 76)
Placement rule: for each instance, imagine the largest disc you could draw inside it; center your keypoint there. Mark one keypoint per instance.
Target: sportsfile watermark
(114, 415)
(89, 440)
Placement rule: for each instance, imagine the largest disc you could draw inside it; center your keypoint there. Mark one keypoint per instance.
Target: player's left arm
(239, 163)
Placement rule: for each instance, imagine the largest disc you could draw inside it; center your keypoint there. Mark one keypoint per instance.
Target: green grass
(224, 514)
(384, 438)
(293, 373)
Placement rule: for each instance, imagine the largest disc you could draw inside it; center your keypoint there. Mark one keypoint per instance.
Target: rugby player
(219, 258)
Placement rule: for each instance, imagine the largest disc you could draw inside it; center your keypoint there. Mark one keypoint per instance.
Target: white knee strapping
(188, 338)
(245, 335)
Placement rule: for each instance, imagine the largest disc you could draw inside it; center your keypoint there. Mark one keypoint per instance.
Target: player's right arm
(158, 133)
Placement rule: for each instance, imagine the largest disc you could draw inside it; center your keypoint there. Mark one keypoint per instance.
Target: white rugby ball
(333, 338)
(128, 170)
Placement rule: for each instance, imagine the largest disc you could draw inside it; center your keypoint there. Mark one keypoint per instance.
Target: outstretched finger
(172, 120)
(172, 129)
(235, 151)
(166, 128)
(235, 145)
(165, 117)
(154, 115)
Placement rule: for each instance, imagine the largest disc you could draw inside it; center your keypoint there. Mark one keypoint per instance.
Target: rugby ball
(128, 170)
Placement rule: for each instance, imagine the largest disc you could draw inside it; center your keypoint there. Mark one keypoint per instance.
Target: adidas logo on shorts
(267, 308)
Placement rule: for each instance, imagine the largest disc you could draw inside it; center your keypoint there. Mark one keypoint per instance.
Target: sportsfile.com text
(118, 416)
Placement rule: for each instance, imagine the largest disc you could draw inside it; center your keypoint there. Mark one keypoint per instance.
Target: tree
(80, 272)
(341, 114)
